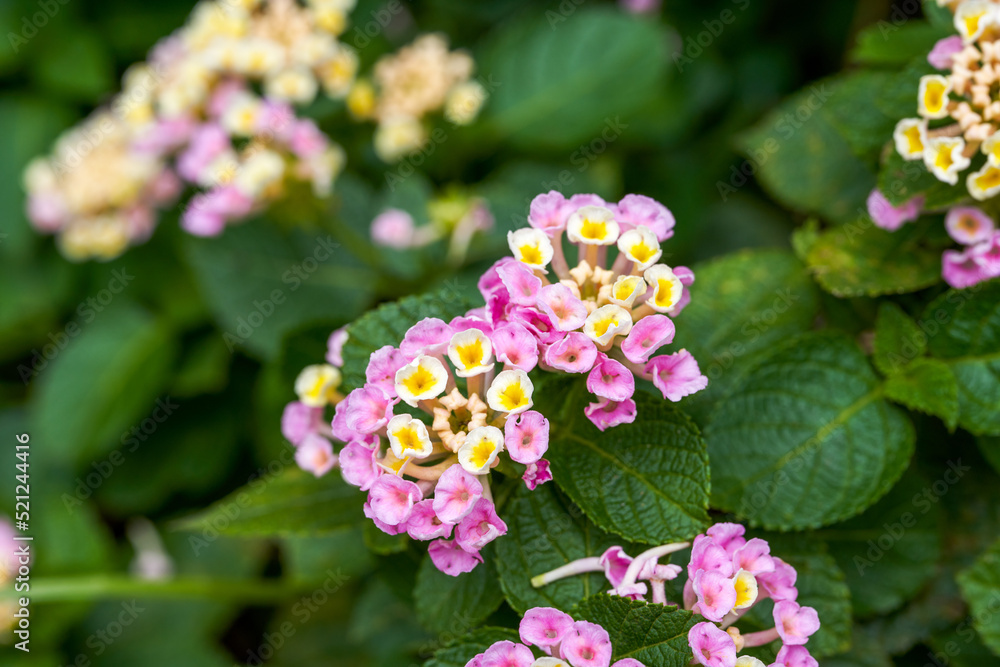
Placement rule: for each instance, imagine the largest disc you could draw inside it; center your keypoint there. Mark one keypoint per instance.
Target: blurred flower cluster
(727, 576)
(214, 108)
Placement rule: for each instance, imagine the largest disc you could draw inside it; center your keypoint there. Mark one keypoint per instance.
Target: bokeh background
(141, 413)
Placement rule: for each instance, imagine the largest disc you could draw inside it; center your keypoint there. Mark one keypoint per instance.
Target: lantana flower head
(727, 576)
(606, 315)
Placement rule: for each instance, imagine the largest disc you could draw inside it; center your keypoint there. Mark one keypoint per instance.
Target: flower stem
(581, 566)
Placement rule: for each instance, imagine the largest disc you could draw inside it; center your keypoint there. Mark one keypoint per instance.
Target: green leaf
(767, 296)
(646, 481)
(105, 375)
(898, 339)
(990, 447)
(859, 259)
(865, 652)
(980, 586)
(464, 649)
(387, 324)
(261, 283)
(292, 502)
(886, 43)
(901, 180)
(804, 162)
(891, 551)
(653, 634)
(969, 343)
(383, 543)
(552, 83)
(807, 439)
(545, 532)
(76, 64)
(928, 386)
(852, 110)
(444, 602)
(899, 97)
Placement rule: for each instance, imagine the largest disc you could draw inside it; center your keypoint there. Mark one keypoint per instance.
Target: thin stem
(760, 638)
(632, 573)
(559, 264)
(592, 564)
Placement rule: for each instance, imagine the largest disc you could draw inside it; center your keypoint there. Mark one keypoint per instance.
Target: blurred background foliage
(584, 98)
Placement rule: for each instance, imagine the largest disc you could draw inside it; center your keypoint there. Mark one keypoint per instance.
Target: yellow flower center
(421, 380)
(663, 290)
(912, 135)
(934, 96)
(531, 254)
(642, 252)
(943, 160)
(470, 355)
(593, 231)
(972, 22)
(989, 180)
(481, 453)
(408, 438)
(513, 397)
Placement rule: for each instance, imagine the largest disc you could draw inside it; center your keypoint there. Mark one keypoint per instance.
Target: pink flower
(796, 656)
(628, 662)
(387, 528)
(451, 559)
(201, 222)
(545, 627)
(275, 118)
(424, 524)
(711, 646)
(335, 347)
(890, 217)
(359, 465)
(549, 212)
(428, 336)
(641, 7)
(526, 436)
(607, 414)
(521, 283)
(965, 269)
(305, 139)
(367, 411)
(795, 624)
(456, 493)
(779, 584)
(507, 654)
(382, 366)
(754, 557)
(610, 379)
(164, 188)
(299, 420)
(165, 135)
(393, 228)
(315, 454)
(636, 210)
(490, 282)
(537, 474)
(968, 225)
(676, 375)
(944, 51)
(515, 346)
(615, 562)
(574, 353)
(207, 142)
(586, 645)
(716, 594)
(729, 536)
(565, 310)
(707, 555)
(648, 335)
(480, 527)
(392, 499)
(47, 212)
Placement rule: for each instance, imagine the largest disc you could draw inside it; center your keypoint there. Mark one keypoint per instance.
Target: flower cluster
(422, 78)
(727, 576)
(564, 642)
(606, 316)
(455, 217)
(957, 128)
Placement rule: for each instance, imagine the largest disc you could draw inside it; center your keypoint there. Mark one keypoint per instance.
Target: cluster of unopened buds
(564, 642)
(727, 576)
(958, 127)
(422, 78)
(603, 317)
(455, 218)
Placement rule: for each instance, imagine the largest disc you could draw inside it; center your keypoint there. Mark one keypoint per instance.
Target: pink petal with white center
(780, 584)
(635, 210)
(716, 594)
(544, 627)
(711, 646)
(392, 499)
(611, 380)
(795, 624)
(424, 524)
(515, 346)
(480, 527)
(387, 528)
(962, 270)
(968, 225)
(575, 353)
(526, 436)
(548, 212)
(451, 559)
(564, 309)
(607, 414)
(382, 366)
(586, 645)
(706, 554)
(754, 557)
(676, 375)
(647, 336)
(796, 656)
(367, 411)
(456, 494)
(507, 654)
